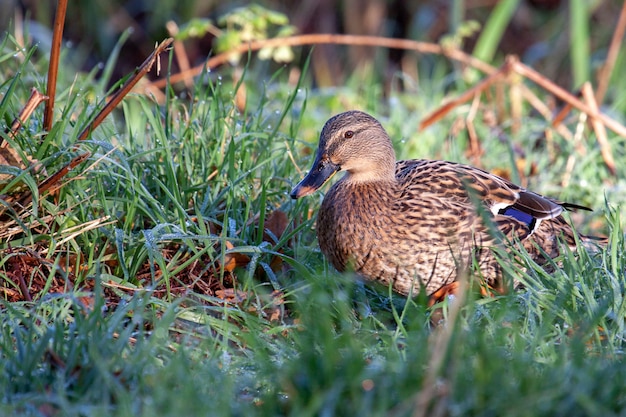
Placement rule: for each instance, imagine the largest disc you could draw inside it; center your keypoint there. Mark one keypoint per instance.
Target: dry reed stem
(600, 130)
(561, 115)
(515, 98)
(53, 68)
(327, 38)
(35, 99)
(513, 64)
(467, 95)
(53, 179)
(567, 97)
(570, 165)
(421, 47)
(27, 197)
(116, 98)
(543, 109)
(475, 149)
(70, 233)
(180, 53)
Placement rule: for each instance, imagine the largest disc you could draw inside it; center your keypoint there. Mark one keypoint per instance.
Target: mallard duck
(421, 223)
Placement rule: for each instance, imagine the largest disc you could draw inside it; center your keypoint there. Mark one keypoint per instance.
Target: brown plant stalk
(599, 129)
(513, 64)
(35, 99)
(329, 38)
(465, 96)
(494, 74)
(567, 97)
(53, 68)
(112, 102)
(116, 98)
(25, 198)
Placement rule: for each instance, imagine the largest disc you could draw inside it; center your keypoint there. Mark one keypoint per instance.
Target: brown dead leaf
(88, 301)
(9, 156)
(276, 263)
(276, 223)
(234, 259)
(214, 229)
(277, 309)
(231, 295)
(35, 99)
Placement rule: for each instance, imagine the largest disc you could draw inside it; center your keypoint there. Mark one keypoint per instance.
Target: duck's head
(354, 142)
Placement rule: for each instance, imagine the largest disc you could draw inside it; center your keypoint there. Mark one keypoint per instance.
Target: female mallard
(420, 222)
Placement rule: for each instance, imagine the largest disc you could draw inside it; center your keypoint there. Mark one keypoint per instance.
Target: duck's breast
(353, 224)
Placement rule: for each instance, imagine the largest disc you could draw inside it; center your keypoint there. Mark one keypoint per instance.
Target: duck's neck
(377, 166)
(371, 177)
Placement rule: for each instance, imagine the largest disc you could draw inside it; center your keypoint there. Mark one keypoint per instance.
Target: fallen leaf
(234, 259)
(231, 295)
(275, 225)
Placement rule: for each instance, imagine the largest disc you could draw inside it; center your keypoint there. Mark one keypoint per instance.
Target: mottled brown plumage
(420, 222)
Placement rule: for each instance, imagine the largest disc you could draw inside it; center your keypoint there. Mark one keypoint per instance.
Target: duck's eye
(348, 134)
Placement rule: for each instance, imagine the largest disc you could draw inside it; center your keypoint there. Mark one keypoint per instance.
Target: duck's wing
(468, 185)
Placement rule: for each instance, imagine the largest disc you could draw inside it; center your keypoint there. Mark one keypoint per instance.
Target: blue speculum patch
(526, 218)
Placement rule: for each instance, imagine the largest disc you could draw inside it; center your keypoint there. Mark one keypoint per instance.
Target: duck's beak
(323, 169)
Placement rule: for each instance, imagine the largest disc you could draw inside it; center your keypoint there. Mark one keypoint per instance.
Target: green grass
(183, 182)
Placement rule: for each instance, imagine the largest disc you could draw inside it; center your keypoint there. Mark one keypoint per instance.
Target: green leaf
(195, 28)
(494, 28)
(579, 44)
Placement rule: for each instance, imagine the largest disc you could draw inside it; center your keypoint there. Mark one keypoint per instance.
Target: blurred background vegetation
(564, 40)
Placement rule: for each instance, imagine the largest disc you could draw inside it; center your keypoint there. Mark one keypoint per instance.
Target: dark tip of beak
(301, 191)
(321, 172)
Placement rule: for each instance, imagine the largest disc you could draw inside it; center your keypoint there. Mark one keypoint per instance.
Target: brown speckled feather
(420, 222)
